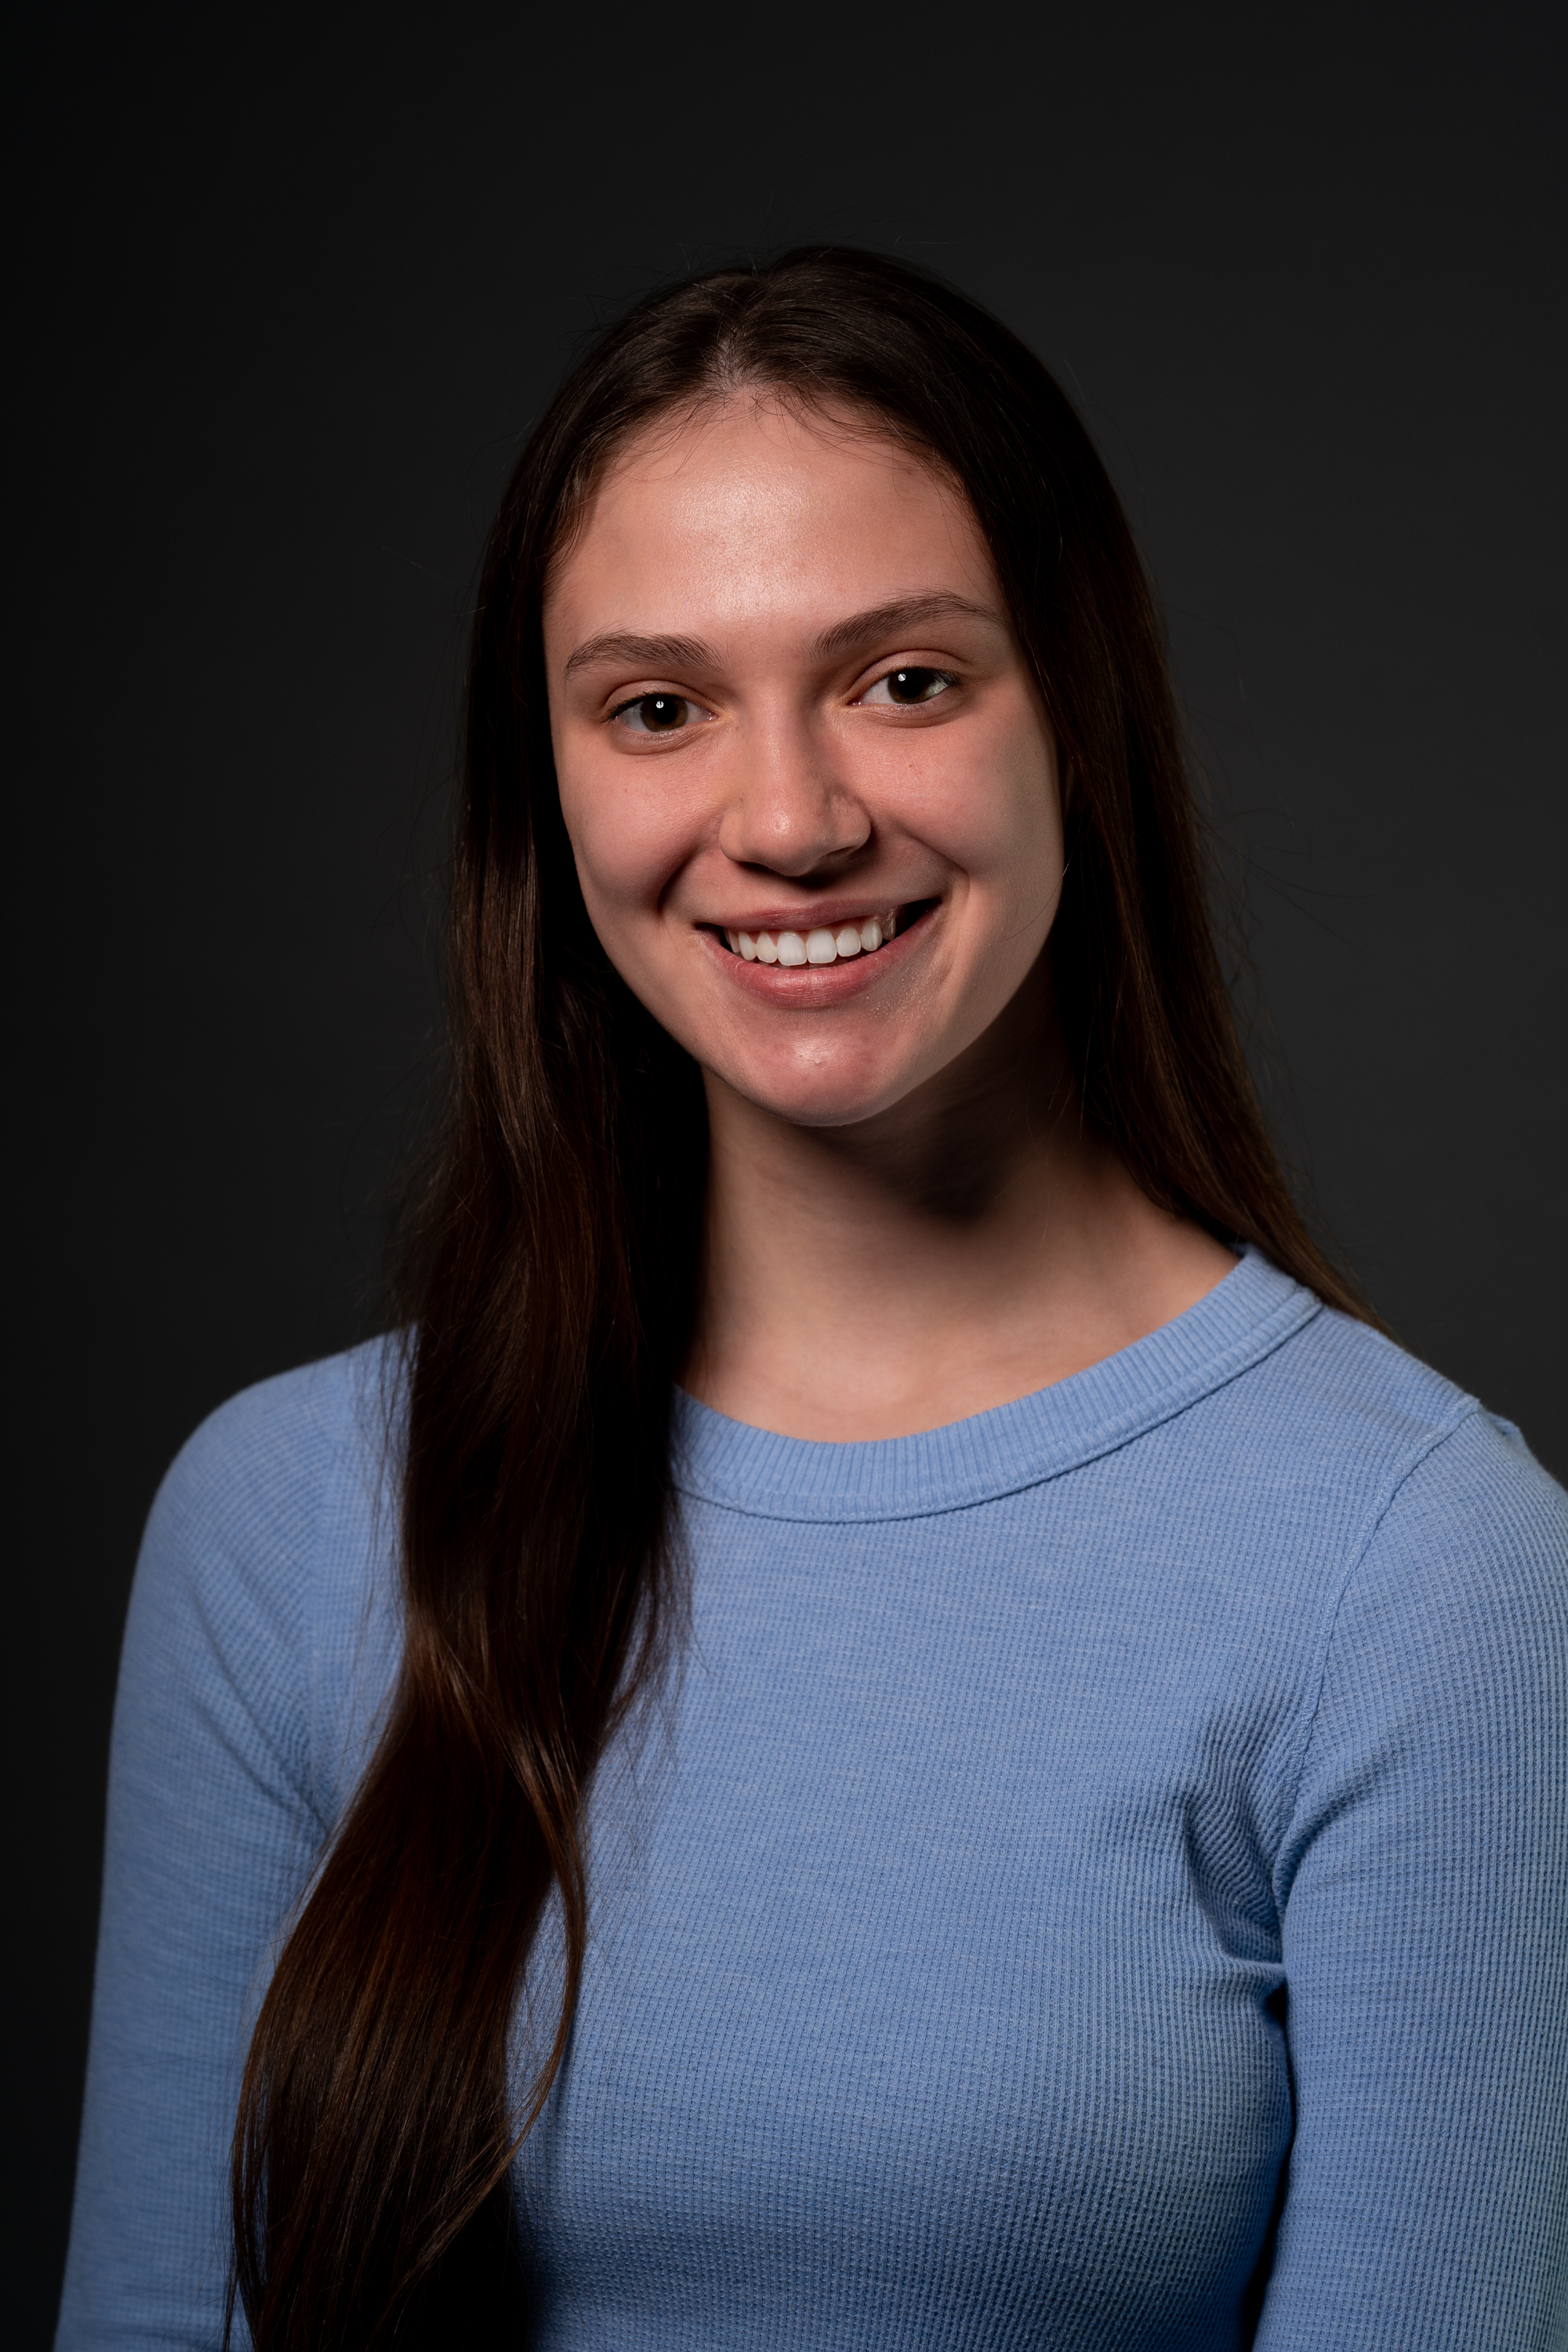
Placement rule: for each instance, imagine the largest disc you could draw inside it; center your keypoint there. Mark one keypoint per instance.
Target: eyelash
(949, 680)
(635, 702)
(923, 669)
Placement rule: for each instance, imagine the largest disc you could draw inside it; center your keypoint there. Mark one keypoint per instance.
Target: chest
(929, 1993)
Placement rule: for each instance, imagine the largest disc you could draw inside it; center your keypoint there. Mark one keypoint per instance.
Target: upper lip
(831, 915)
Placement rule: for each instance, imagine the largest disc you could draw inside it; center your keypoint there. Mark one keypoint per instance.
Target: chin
(820, 1098)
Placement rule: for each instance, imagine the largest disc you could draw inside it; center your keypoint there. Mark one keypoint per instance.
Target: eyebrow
(691, 653)
(642, 653)
(902, 612)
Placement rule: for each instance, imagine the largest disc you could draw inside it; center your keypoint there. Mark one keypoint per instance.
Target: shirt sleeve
(1423, 1884)
(212, 1834)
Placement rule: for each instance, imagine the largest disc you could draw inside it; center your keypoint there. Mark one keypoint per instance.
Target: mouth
(823, 943)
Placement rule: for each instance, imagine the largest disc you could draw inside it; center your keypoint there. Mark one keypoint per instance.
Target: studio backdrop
(293, 286)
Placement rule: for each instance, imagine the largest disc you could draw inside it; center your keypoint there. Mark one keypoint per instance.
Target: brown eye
(906, 686)
(655, 714)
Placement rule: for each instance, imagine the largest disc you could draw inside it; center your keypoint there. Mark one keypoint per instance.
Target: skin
(908, 1219)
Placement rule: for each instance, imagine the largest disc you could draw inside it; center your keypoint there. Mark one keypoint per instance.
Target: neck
(973, 1242)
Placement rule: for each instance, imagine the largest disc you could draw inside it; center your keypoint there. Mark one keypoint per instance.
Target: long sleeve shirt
(1098, 1879)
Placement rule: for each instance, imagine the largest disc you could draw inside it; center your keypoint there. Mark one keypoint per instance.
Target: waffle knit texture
(1100, 1882)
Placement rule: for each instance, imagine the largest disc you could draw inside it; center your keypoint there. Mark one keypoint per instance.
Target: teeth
(815, 946)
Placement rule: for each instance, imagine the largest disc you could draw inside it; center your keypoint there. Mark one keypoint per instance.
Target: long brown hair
(553, 1270)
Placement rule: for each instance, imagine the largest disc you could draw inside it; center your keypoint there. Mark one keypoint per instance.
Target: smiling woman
(887, 1720)
(819, 834)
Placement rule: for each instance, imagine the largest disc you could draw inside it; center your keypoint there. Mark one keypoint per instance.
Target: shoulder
(1464, 1573)
(269, 1478)
(1377, 1518)
(1338, 1384)
(270, 1451)
(1428, 1550)
(1442, 1650)
(1434, 1474)
(1343, 1430)
(265, 1565)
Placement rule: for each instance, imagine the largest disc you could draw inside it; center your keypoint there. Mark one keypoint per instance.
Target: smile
(821, 945)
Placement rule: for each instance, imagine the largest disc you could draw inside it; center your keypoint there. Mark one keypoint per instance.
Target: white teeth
(819, 946)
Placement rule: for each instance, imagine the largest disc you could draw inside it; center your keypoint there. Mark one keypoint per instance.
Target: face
(809, 785)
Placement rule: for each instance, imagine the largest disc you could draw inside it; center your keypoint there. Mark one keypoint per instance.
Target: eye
(906, 686)
(658, 714)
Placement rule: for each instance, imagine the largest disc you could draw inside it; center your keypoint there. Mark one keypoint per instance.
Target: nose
(790, 810)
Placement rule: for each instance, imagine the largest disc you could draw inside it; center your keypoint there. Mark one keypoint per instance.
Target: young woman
(891, 1722)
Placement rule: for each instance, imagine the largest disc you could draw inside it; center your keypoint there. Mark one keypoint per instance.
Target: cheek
(625, 836)
(994, 811)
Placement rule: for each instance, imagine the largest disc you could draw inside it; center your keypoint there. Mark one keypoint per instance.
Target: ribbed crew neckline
(1243, 1318)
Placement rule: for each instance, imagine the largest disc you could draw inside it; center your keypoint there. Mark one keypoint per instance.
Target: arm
(212, 1834)
(1424, 1886)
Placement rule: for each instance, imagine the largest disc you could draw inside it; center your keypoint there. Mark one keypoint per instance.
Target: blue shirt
(1103, 1864)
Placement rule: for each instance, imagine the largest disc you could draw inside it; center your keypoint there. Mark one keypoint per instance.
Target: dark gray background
(291, 288)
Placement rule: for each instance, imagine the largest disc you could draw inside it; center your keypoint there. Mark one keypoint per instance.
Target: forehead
(751, 508)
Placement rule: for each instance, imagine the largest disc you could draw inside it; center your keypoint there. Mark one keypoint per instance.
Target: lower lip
(809, 985)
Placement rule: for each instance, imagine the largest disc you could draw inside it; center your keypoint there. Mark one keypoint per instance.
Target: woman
(921, 1734)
